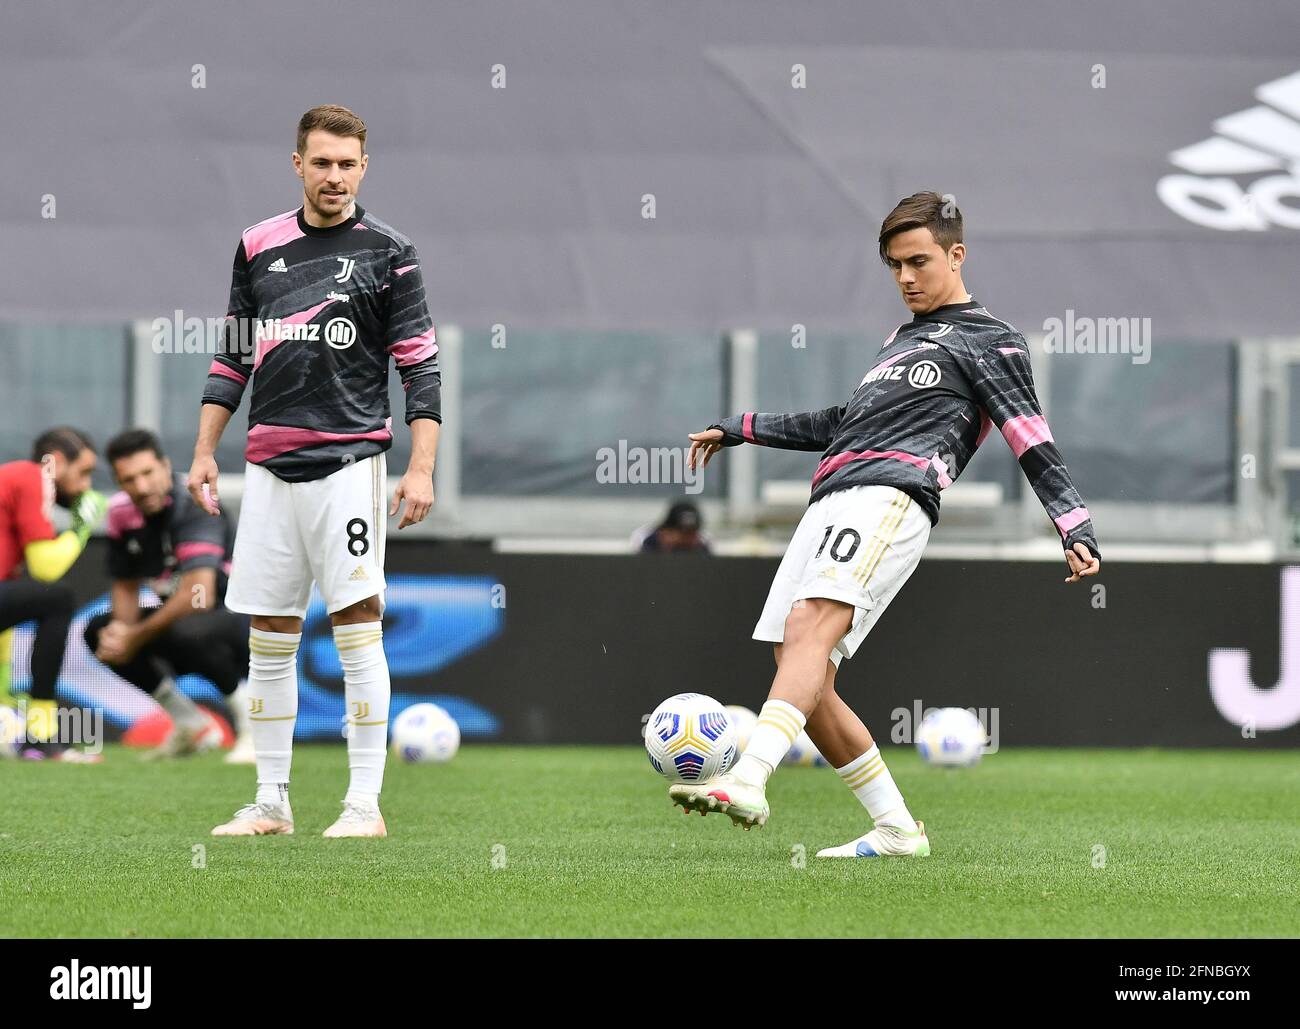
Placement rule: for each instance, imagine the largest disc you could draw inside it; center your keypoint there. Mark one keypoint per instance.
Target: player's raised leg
(845, 742)
(812, 629)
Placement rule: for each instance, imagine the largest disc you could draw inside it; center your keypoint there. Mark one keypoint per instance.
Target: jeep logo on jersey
(1260, 139)
(923, 374)
(340, 333)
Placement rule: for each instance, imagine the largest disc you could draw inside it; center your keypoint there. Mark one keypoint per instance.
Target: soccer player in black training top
(321, 299)
(938, 385)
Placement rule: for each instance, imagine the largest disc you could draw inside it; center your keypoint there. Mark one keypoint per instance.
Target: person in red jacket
(58, 473)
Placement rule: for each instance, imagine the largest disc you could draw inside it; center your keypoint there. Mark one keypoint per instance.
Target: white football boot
(258, 820)
(883, 841)
(357, 820)
(744, 803)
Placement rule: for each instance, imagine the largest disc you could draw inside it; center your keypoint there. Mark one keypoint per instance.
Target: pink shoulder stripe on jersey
(1071, 519)
(217, 368)
(274, 232)
(1010, 350)
(123, 516)
(1026, 431)
(414, 350)
(267, 441)
(404, 269)
(265, 346)
(747, 427)
(840, 460)
(185, 551)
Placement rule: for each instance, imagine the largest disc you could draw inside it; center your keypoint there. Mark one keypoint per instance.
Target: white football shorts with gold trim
(330, 531)
(856, 545)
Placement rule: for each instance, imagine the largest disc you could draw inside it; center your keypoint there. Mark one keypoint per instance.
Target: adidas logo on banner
(277, 265)
(1263, 138)
(359, 574)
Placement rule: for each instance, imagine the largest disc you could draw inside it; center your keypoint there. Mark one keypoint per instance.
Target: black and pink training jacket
(315, 315)
(939, 384)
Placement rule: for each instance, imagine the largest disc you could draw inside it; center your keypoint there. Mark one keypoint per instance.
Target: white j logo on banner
(1238, 699)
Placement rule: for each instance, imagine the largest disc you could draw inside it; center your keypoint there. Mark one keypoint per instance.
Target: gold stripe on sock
(783, 729)
(271, 718)
(359, 642)
(862, 782)
(780, 715)
(860, 775)
(382, 721)
(782, 720)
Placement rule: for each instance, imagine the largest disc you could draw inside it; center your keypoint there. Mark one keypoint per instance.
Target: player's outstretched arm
(810, 430)
(202, 480)
(1003, 380)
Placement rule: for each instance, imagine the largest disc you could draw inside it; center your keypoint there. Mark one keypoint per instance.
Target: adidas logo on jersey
(277, 265)
(1263, 138)
(358, 574)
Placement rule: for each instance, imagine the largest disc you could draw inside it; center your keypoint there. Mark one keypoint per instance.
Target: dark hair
(132, 441)
(331, 118)
(927, 210)
(63, 439)
(683, 516)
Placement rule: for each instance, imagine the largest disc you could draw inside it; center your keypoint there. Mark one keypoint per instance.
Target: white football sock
(272, 699)
(367, 691)
(779, 725)
(874, 787)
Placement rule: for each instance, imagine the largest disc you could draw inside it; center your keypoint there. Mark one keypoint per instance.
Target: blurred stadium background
(1111, 162)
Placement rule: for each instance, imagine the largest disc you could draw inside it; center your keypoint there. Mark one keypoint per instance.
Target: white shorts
(330, 531)
(857, 546)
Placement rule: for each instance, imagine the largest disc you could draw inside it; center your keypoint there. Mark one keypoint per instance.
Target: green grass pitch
(582, 841)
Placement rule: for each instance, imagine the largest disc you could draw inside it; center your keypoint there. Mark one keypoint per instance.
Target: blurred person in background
(159, 536)
(680, 531)
(58, 473)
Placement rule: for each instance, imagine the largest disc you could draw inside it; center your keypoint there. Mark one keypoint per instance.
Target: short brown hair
(331, 118)
(926, 210)
(63, 439)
